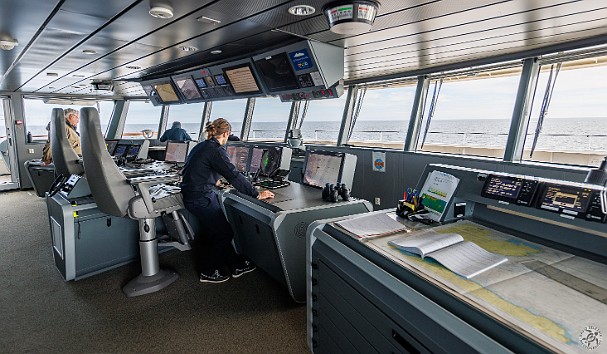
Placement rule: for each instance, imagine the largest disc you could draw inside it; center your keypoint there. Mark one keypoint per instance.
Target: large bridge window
(383, 117)
(574, 125)
(270, 118)
(38, 115)
(232, 110)
(141, 116)
(472, 113)
(190, 116)
(323, 119)
(2, 120)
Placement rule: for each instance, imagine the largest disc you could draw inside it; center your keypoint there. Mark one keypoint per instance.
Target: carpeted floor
(41, 313)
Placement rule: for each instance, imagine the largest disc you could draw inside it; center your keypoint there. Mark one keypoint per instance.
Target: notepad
(464, 258)
(371, 225)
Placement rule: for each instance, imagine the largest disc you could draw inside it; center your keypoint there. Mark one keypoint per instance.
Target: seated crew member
(204, 166)
(72, 118)
(176, 133)
(46, 150)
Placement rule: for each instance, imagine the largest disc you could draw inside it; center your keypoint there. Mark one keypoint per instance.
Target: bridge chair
(143, 199)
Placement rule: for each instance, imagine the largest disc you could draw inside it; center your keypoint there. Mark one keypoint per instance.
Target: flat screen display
(322, 167)
(188, 88)
(220, 79)
(111, 146)
(256, 155)
(559, 197)
(166, 93)
(209, 81)
(120, 150)
(239, 156)
(201, 83)
(276, 73)
(133, 151)
(242, 79)
(502, 188)
(148, 89)
(176, 152)
(269, 161)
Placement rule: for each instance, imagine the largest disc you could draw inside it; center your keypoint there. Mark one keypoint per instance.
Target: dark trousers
(213, 246)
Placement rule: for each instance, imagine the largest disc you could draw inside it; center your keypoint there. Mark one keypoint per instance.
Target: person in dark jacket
(176, 133)
(204, 166)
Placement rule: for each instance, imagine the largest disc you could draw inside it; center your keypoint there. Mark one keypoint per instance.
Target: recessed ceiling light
(162, 11)
(52, 74)
(187, 48)
(89, 51)
(133, 67)
(77, 75)
(205, 19)
(51, 88)
(301, 10)
(216, 51)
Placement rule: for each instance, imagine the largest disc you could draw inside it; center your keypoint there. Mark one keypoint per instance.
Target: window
(270, 118)
(190, 116)
(384, 117)
(232, 110)
(323, 120)
(574, 129)
(142, 115)
(38, 115)
(472, 113)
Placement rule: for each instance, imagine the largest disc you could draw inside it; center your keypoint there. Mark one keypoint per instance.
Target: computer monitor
(269, 161)
(239, 156)
(276, 73)
(176, 152)
(166, 92)
(132, 152)
(242, 80)
(121, 150)
(256, 155)
(111, 145)
(322, 167)
(187, 87)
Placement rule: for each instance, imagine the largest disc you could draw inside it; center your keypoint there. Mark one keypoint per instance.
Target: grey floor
(41, 313)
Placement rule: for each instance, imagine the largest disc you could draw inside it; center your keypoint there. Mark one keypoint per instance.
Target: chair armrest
(143, 185)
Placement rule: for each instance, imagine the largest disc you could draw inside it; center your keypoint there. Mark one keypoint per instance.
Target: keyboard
(272, 184)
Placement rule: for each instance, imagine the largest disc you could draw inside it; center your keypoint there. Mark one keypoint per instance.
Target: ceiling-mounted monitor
(276, 72)
(300, 68)
(187, 87)
(242, 79)
(166, 92)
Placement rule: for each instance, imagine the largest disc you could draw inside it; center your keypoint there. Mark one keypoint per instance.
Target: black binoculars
(332, 192)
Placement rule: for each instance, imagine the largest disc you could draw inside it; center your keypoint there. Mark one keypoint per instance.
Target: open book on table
(464, 258)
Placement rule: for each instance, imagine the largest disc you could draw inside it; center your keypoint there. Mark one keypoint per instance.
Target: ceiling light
(52, 74)
(205, 19)
(78, 75)
(187, 48)
(8, 43)
(301, 10)
(163, 11)
(216, 51)
(351, 17)
(89, 51)
(133, 67)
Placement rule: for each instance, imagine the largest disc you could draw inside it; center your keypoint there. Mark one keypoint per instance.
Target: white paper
(371, 225)
(437, 192)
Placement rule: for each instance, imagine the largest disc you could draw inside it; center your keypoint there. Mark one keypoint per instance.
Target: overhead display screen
(188, 88)
(166, 92)
(220, 79)
(242, 79)
(276, 73)
(201, 83)
(209, 81)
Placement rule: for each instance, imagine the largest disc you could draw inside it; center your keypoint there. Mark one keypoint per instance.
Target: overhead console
(301, 71)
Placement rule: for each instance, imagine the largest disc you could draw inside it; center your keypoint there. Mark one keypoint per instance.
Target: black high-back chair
(117, 196)
(65, 159)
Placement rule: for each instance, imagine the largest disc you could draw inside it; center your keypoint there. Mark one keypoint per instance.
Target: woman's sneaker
(245, 268)
(218, 276)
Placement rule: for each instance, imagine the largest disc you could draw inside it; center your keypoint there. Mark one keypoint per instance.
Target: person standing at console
(207, 162)
(176, 133)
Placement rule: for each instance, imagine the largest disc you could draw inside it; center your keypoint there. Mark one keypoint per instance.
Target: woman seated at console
(206, 163)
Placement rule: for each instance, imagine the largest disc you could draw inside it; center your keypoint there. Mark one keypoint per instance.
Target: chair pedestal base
(143, 284)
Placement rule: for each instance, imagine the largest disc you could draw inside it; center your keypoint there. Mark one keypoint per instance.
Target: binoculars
(332, 192)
